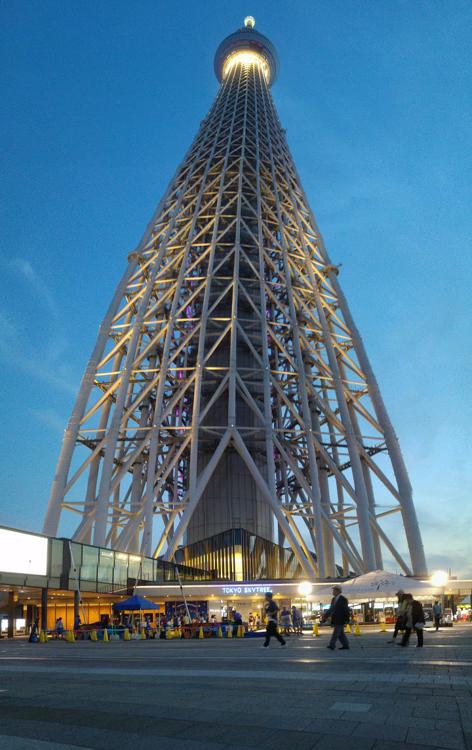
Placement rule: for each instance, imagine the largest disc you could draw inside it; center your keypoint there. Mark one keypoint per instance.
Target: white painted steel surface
(229, 385)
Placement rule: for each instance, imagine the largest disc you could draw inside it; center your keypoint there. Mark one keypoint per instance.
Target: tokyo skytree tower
(229, 386)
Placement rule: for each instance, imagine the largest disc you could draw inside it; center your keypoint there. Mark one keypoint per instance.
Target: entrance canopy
(134, 603)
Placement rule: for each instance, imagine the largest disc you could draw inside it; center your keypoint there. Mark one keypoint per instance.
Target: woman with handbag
(414, 621)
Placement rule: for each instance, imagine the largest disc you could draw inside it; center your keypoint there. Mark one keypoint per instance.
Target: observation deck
(247, 46)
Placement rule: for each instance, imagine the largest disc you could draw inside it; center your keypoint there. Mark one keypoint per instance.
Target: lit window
(246, 58)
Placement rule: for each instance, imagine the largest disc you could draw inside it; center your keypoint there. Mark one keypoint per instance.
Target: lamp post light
(439, 580)
(304, 589)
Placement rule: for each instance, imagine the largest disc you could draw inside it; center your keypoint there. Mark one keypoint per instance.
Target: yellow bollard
(105, 636)
(220, 632)
(143, 634)
(200, 632)
(347, 629)
(315, 629)
(169, 635)
(70, 638)
(357, 629)
(383, 627)
(241, 631)
(93, 635)
(43, 637)
(126, 635)
(229, 631)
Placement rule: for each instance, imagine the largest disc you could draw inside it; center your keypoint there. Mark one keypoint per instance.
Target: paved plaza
(212, 694)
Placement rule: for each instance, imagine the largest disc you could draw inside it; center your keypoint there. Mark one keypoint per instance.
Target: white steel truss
(229, 332)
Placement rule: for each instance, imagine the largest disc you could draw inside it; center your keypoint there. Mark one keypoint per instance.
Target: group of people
(410, 616)
(291, 621)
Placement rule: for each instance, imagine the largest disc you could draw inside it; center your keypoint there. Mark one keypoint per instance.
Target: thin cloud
(50, 418)
(18, 349)
(26, 272)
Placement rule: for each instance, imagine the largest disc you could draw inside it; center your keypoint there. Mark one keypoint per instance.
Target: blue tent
(133, 603)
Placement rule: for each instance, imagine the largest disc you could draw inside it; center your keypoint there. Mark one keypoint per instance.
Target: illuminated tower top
(247, 46)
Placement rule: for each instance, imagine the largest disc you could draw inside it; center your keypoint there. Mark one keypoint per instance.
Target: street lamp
(304, 589)
(439, 578)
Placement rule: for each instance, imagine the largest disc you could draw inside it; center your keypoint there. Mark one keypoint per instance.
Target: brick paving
(212, 694)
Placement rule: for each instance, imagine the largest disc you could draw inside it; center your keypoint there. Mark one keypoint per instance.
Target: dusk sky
(101, 101)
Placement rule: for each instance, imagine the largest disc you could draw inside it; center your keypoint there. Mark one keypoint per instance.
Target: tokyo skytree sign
(229, 386)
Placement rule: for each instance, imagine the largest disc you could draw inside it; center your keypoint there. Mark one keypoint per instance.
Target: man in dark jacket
(414, 621)
(271, 610)
(339, 614)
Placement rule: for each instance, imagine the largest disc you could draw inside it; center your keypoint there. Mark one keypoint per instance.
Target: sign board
(246, 589)
(23, 553)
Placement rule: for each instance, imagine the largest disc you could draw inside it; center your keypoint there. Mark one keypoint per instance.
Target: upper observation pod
(247, 46)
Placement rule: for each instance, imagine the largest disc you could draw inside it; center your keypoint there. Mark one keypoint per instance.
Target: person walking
(437, 614)
(339, 614)
(414, 621)
(59, 628)
(34, 634)
(271, 610)
(401, 614)
(285, 621)
(237, 621)
(296, 620)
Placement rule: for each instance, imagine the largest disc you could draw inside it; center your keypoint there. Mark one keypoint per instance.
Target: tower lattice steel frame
(229, 358)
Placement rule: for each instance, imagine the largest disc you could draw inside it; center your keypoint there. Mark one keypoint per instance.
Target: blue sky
(100, 103)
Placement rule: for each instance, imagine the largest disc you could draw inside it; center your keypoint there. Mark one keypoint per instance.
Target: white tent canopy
(381, 584)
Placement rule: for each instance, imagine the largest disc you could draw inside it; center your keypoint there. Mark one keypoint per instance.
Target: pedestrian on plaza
(296, 620)
(414, 620)
(59, 628)
(237, 621)
(437, 613)
(77, 622)
(34, 635)
(401, 614)
(285, 621)
(271, 610)
(339, 614)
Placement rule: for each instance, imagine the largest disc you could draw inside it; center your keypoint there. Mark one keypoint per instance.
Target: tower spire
(229, 387)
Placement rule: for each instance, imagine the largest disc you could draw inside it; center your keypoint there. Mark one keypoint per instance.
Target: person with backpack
(339, 614)
(271, 611)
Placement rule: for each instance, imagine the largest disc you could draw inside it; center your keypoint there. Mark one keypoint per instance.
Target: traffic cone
(357, 629)
(126, 635)
(347, 629)
(220, 632)
(383, 627)
(93, 635)
(315, 629)
(105, 636)
(70, 638)
(200, 632)
(43, 637)
(229, 631)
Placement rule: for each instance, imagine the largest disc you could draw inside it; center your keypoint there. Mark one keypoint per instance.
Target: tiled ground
(197, 695)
